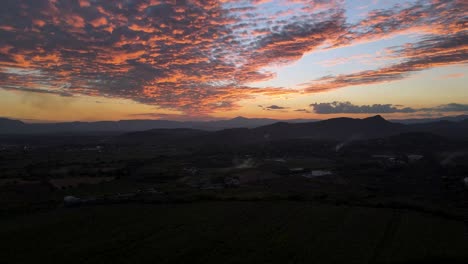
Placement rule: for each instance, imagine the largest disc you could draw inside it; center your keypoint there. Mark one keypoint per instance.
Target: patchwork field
(232, 232)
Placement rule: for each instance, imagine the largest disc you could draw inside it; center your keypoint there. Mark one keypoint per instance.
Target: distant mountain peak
(377, 118)
(8, 120)
(239, 118)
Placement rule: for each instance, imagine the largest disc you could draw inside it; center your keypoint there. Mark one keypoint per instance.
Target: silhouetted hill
(236, 122)
(430, 120)
(8, 126)
(242, 129)
(341, 129)
(11, 126)
(336, 128)
(444, 128)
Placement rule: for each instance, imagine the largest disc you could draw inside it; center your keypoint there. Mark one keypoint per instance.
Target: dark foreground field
(266, 195)
(232, 232)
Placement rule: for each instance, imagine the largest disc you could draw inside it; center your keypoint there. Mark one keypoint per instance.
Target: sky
(89, 60)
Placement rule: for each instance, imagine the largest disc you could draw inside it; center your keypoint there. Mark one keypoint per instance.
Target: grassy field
(231, 232)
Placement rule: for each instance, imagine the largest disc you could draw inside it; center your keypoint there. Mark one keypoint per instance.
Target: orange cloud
(84, 3)
(98, 22)
(429, 53)
(453, 76)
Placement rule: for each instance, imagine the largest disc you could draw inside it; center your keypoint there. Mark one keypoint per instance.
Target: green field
(231, 232)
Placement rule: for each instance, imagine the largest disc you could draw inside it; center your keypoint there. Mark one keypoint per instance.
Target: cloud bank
(349, 108)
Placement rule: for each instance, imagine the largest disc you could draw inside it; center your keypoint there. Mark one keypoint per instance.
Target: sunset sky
(66, 60)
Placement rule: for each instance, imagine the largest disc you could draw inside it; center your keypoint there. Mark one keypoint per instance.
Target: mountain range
(342, 129)
(10, 126)
(16, 127)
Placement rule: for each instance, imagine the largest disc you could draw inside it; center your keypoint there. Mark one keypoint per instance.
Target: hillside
(342, 129)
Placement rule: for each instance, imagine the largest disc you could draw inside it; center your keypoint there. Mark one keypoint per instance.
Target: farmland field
(231, 232)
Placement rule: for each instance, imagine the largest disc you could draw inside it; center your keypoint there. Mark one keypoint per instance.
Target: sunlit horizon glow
(70, 60)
